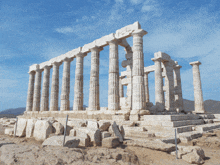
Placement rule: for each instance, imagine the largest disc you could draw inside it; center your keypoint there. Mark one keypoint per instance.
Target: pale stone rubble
(128, 115)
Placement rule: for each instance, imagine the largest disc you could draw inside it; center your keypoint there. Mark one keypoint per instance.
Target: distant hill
(18, 111)
(210, 105)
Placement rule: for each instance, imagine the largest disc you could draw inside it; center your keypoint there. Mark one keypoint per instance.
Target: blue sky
(36, 31)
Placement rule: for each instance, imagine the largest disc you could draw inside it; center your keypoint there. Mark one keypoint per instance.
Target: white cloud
(147, 8)
(119, 1)
(65, 30)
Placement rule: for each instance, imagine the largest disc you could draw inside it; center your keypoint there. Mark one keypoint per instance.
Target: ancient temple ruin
(168, 90)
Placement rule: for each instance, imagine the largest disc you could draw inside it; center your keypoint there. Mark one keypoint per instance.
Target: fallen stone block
(71, 142)
(170, 140)
(30, 127)
(77, 123)
(105, 134)
(152, 144)
(9, 131)
(110, 142)
(195, 149)
(117, 131)
(42, 130)
(92, 124)
(21, 127)
(72, 132)
(193, 158)
(103, 126)
(144, 112)
(59, 128)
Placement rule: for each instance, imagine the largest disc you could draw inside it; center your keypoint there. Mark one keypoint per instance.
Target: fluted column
(138, 88)
(65, 103)
(159, 96)
(169, 83)
(30, 94)
(94, 103)
(37, 90)
(146, 86)
(121, 90)
(45, 91)
(113, 81)
(198, 98)
(178, 89)
(55, 87)
(78, 88)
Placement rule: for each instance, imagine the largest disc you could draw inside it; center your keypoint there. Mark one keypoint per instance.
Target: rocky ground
(28, 151)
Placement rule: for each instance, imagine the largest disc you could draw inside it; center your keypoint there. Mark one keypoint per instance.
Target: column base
(199, 112)
(134, 117)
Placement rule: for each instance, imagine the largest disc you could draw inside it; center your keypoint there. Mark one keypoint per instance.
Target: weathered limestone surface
(198, 98)
(30, 127)
(71, 142)
(110, 142)
(78, 88)
(138, 93)
(37, 90)
(9, 131)
(65, 105)
(45, 91)
(29, 104)
(55, 87)
(178, 88)
(21, 127)
(42, 130)
(159, 96)
(146, 86)
(113, 84)
(94, 80)
(169, 85)
(59, 128)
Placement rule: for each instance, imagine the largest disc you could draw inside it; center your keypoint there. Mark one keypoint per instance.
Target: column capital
(80, 54)
(96, 48)
(195, 63)
(32, 72)
(56, 63)
(47, 67)
(156, 59)
(114, 41)
(146, 73)
(139, 32)
(177, 66)
(68, 59)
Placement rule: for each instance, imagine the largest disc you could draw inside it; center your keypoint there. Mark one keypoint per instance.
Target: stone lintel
(126, 31)
(149, 69)
(177, 66)
(195, 63)
(33, 67)
(162, 55)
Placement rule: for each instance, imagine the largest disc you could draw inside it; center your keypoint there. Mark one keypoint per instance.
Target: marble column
(198, 98)
(78, 88)
(65, 103)
(169, 84)
(94, 103)
(55, 87)
(159, 95)
(113, 82)
(37, 90)
(178, 89)
(138, 88)
(121, 90)
(146, 86)
(45, 91)
(30, 94)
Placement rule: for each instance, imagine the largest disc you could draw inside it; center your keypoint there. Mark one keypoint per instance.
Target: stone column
(121, 90)
(159, 95)
(138, 88)
(146, 86)
(37, 90)
(198, 98)
(94, 80)
(113, 82)
(45, 91)
(78, 88)
(178, 88)
(30, 93)
(55, 87)
(169, 84)
(65, 103)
